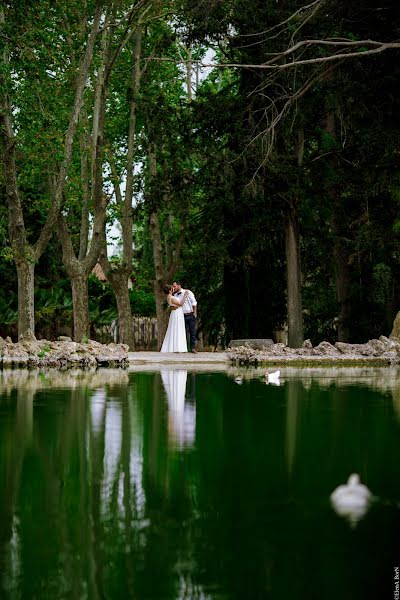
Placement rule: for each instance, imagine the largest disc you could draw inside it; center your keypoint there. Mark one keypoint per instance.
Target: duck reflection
(180, 390)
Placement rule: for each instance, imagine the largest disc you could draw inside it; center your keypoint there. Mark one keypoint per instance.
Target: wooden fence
(144, 333)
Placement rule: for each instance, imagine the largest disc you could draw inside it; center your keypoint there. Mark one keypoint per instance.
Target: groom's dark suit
(190, 318)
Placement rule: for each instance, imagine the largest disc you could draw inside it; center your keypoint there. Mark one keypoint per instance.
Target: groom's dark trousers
(190, 324)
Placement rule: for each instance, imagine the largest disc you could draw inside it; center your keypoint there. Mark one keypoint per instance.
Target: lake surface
(175, 484)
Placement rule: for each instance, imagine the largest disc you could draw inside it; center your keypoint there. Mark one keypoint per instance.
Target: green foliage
(45, 349)
(9, 315)
(142, 302)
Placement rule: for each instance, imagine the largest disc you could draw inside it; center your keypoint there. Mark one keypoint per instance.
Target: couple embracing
(183, 315)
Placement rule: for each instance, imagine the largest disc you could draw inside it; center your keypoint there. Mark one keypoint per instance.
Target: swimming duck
(272, 377)
(351, 500)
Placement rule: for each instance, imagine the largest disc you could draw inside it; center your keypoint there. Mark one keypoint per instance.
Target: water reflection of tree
(52, 484)
(100, 501)
(91, 523)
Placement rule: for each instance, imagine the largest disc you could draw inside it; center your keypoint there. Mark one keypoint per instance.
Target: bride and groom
(182, 318)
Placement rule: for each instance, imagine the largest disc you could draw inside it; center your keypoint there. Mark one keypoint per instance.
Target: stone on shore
(31, 352)
(325, 349)
(255, 344)
(382, 350)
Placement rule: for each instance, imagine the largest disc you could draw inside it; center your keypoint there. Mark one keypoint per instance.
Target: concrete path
(174, 358)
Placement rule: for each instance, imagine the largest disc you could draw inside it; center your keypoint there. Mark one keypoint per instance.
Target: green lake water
(182, 485)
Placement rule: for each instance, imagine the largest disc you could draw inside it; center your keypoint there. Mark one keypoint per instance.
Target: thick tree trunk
(293, 270)
(124, 316)
(119, 284)
(26, 304)
(162, 313)
(293, 263)
(80, 301)
(164, 271)
(159, 280)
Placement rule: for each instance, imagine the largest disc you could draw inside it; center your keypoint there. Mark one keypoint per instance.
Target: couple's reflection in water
(180, 389)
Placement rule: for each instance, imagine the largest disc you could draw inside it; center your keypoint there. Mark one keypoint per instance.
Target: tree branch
(47, 230)
(381, 47)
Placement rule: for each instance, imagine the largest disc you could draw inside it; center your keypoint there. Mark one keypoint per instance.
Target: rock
(354, 349)
(32, 347)
(390, 344)
(32, 352)
(304, 351)
(279, 349)
(378, 345)
(256, 344)
(9, 340)
(243, 355)
(307, 344)
(325, 349)
(64, 338)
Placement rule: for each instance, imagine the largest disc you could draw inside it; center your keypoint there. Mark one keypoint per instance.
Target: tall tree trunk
(118, 274)
(119, 283)
(162, 312)
(160, 278)
(165, 263)
(340, 250)
(80, 300)
(293, 263)
(293, 270)
(26, 310)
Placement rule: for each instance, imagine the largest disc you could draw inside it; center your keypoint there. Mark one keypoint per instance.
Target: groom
(189, 312)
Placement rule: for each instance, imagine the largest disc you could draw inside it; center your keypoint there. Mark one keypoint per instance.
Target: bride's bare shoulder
(172, 301)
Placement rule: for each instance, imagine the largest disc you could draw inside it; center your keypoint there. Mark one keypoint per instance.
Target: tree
(169, 165)
(118, 272)
(280, 64)
(26, 254)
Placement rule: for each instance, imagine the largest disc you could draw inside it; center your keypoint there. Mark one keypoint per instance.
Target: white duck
(272, 377)
(352, 499)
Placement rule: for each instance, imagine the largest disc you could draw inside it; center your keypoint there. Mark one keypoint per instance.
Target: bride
(175, 338)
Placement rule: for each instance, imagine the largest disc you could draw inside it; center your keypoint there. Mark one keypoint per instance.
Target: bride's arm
(186, 294)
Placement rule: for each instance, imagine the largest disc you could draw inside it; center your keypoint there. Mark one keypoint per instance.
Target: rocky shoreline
(378, 352)
(66, 354)
(62, 354)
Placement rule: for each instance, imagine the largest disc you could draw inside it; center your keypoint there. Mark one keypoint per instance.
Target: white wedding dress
(175, 338)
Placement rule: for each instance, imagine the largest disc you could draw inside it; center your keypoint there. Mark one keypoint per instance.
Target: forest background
(268, 181)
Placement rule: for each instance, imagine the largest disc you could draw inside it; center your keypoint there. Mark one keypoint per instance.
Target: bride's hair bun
(166, 289)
